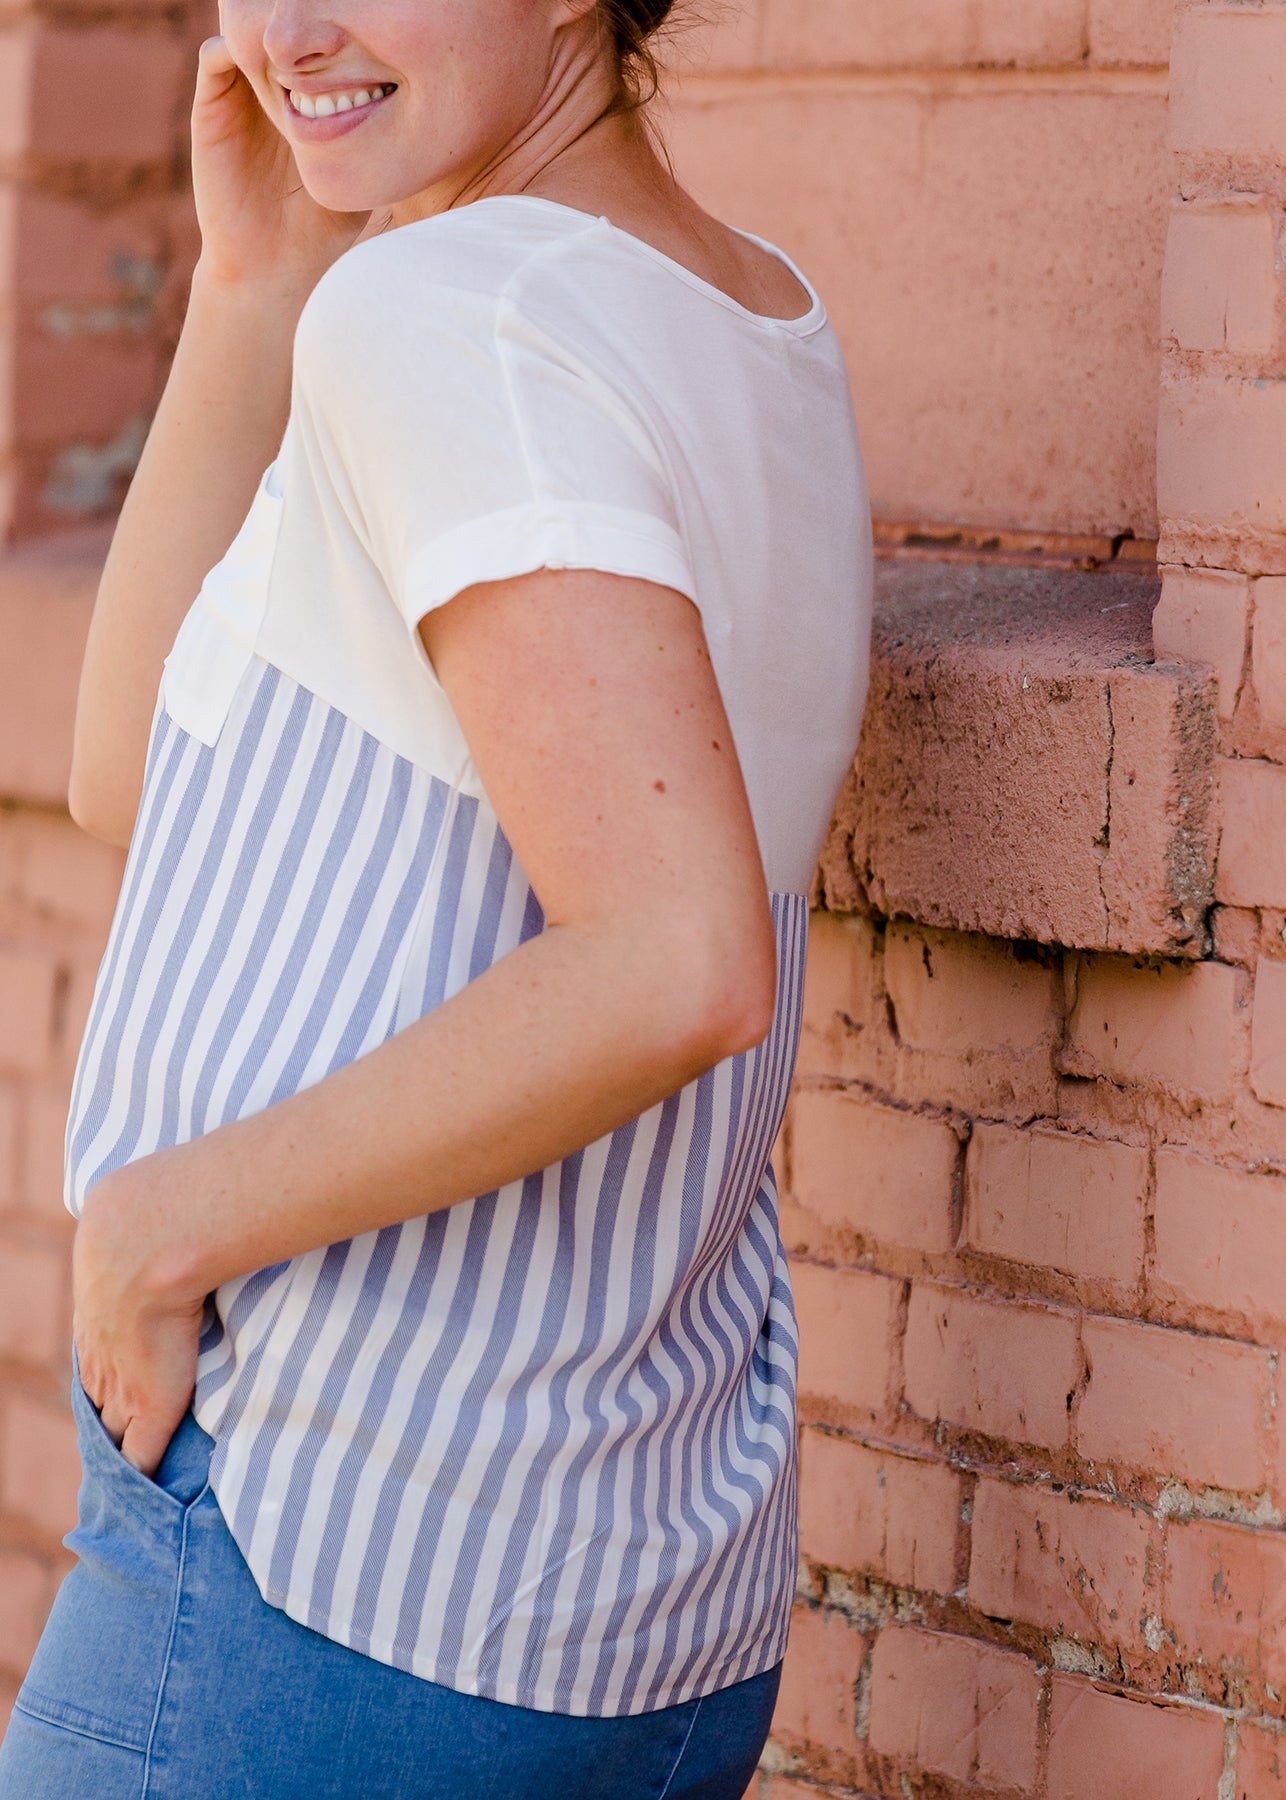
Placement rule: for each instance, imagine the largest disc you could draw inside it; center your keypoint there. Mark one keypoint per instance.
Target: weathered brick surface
(1219, 291)
(28, 984)
(1225, 1597)
(954, 992)
(847, 1339)
(1057, 1200)
(817, 1702)
(1252, 847)
(1222, 471)
(1268, 1034)
(926, 33)
(955, 1707)
(1175, 1403)
(1261, 1764)
(1104, 1746)
(1056, 788)
(1221, 1243)
(25, 1595)
(875, 1170)
(1269, 650)
(1227, 74)
(1173, 1027)
(35, 1312)
(863, 1509)
(989, 1366)
(1202, 617)
(39, 1464)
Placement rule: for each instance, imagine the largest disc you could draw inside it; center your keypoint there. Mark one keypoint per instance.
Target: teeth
(322, 106)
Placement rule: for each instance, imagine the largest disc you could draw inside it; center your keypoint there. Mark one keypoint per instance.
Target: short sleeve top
(539, 1445)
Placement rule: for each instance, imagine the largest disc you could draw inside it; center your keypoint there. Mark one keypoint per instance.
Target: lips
(335, 112)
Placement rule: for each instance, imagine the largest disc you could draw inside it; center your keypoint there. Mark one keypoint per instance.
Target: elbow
(731, 1003)
(98, 814)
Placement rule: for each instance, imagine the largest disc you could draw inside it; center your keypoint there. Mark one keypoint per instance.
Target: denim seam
(169, 1652)
(687, 1739)
(55, 1724)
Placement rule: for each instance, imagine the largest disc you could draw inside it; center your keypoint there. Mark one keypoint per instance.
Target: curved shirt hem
(507, 1693)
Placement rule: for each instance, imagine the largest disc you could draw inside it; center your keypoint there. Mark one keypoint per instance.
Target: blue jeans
(162, 1672)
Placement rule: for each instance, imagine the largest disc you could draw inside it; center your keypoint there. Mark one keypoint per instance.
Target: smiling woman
(481, 647)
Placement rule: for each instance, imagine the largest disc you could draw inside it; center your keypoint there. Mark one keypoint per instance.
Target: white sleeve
(470, 445)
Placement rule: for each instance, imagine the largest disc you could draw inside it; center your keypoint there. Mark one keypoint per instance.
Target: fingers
(215, 70)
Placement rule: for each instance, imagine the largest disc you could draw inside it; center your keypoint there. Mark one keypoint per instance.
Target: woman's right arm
(265, 244)
(218, 426)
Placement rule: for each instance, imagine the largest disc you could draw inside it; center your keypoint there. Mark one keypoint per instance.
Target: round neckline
(804, 323)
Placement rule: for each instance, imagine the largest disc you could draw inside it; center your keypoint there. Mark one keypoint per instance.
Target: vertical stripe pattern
(538, 1446)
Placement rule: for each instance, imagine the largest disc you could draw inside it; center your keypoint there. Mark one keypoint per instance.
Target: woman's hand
(260, 228)
(136, 1334)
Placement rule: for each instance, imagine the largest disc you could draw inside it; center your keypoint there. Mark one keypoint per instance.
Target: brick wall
(1036, 1197)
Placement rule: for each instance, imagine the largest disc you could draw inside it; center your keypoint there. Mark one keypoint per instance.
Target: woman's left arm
(591, 708)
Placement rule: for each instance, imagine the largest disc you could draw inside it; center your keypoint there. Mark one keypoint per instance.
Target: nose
(299, 33)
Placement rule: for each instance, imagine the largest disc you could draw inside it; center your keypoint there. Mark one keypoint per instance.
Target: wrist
(253, 296)
(135, 1217)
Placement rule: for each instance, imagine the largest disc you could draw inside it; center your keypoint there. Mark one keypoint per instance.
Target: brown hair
(632, 24)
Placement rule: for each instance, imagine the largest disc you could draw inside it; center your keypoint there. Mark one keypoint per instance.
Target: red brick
(1174, 1403)
(990, 1365)
(72, 254)
(1107, 1747)
(839, 989)
(884, 1173)
(40, 1178)
(74, 1016)
(26, 1591)
(1072, 1565)
(1221, 453)
(893, 1516)
(35, 1301)
(92, 93)
(39, 1463)
(1268, 1034)
(922, 33)
(1227, 75)
(1221, 1242)
(1202, 617)
(1056, 1200)
(1176, 1027)
(1261, 1763)
(1225, 1595)
(847, 1330)
(1220, 288)
(1137, 34)
(817, 1701)
(27, 981)
(66, 874)
(1268, 661)
(954, 1706)
(10, 1109)
(956, 992)
(1252, 846)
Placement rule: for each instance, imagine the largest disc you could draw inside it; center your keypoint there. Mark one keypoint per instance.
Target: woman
(434, 1352)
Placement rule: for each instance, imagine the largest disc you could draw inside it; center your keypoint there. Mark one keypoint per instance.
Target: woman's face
(427, 94)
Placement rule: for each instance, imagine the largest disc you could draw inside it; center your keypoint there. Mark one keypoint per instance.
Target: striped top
(539, 1445)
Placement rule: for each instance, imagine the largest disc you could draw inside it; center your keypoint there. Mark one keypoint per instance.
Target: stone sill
(1026, 769)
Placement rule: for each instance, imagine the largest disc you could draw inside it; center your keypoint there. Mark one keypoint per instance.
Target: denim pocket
(182, 1475)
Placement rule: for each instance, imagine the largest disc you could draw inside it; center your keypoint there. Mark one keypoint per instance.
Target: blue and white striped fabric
(540, 1445)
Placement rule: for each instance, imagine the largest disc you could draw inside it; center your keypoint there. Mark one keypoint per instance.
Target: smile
(322, 106)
